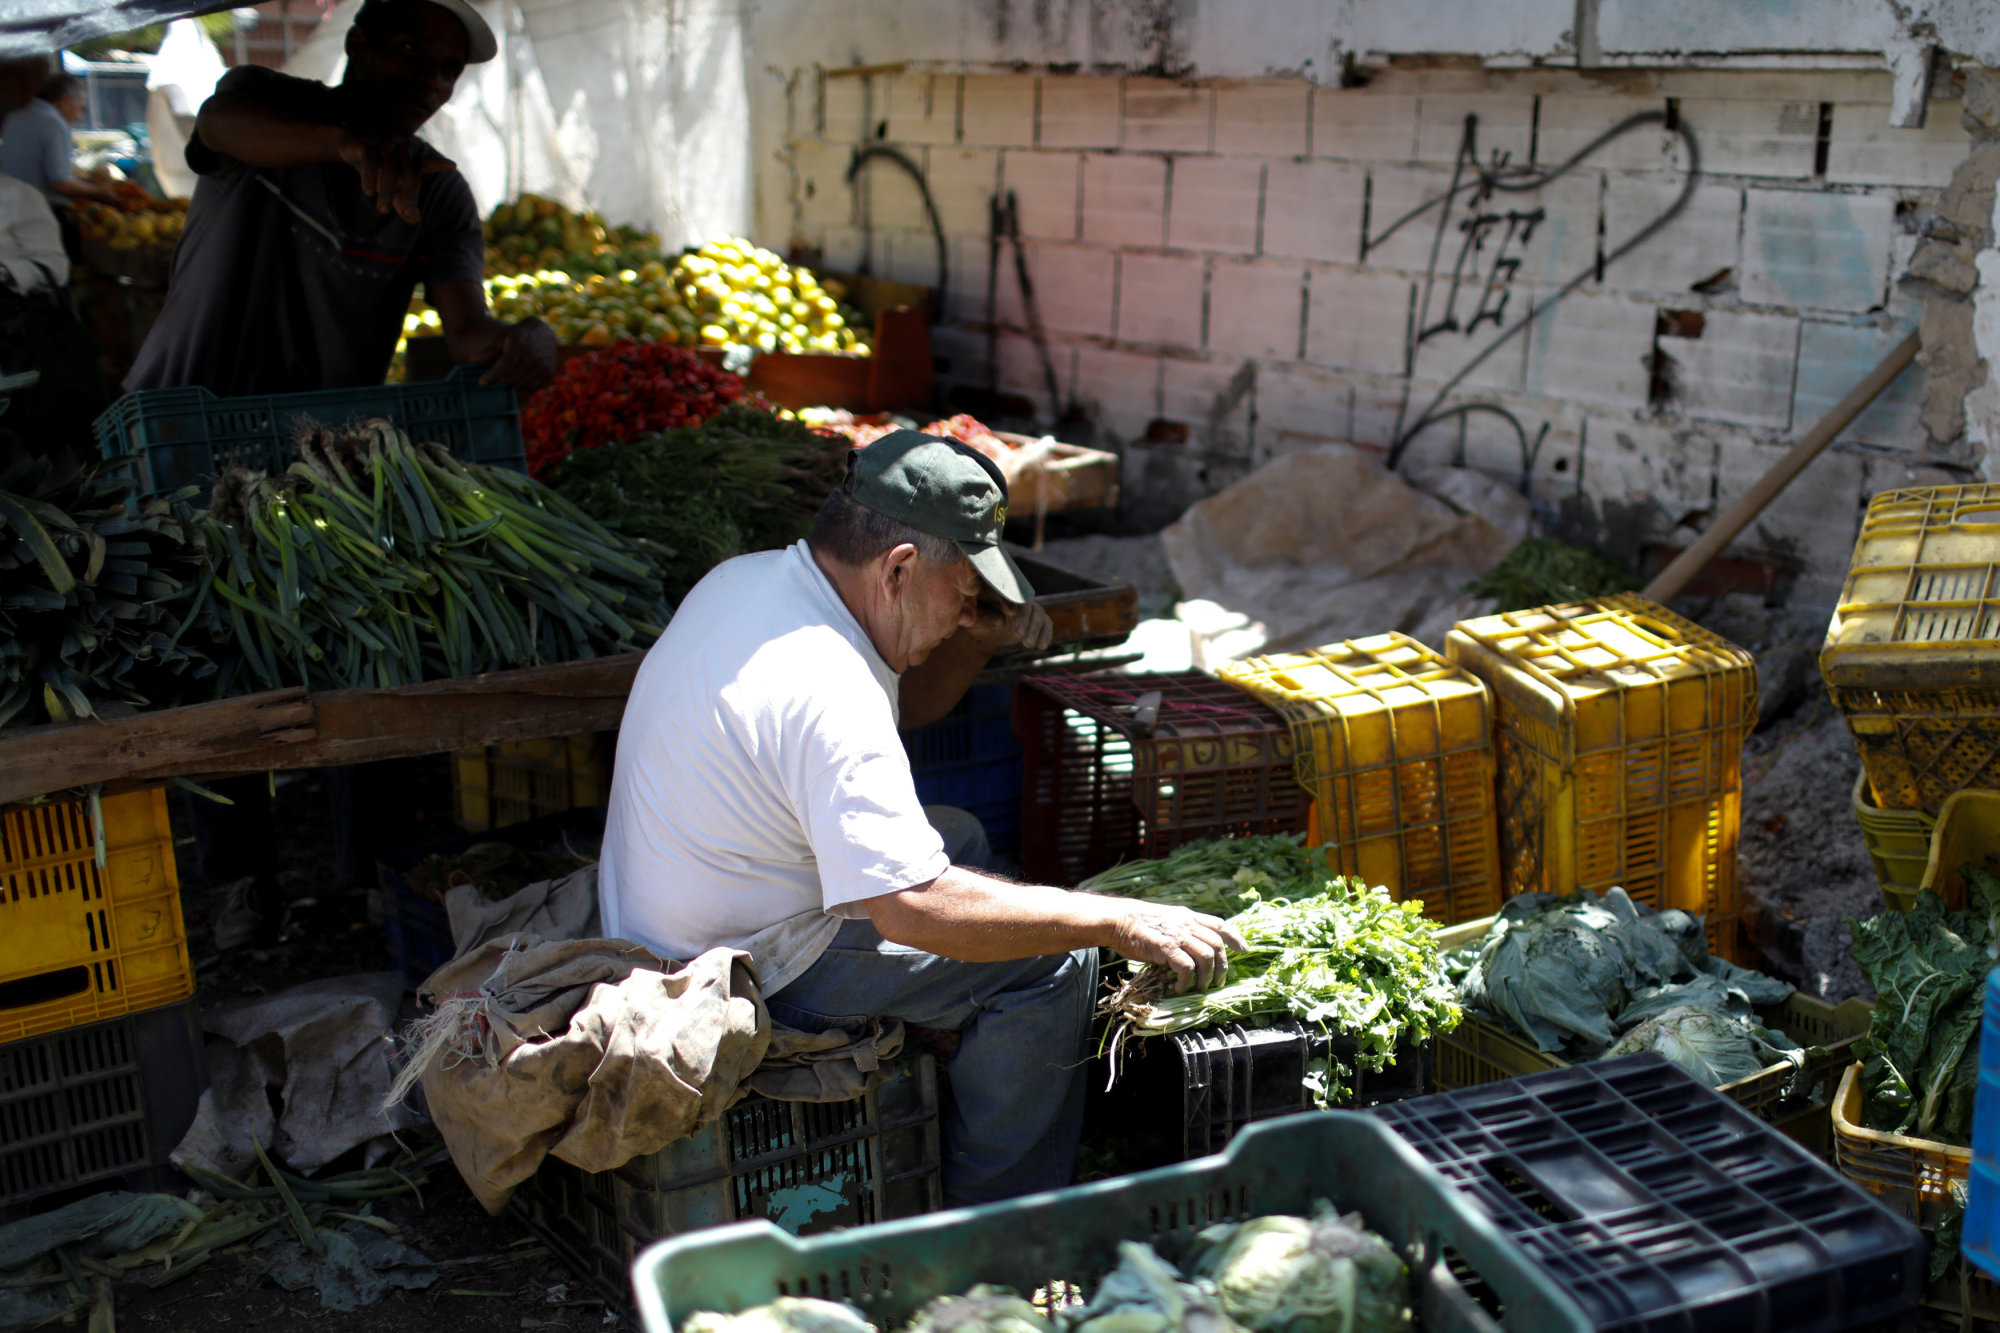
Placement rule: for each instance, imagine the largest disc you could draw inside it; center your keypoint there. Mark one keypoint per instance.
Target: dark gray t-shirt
(289, 278)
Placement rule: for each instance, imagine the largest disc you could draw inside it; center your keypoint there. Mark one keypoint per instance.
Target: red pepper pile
(627, 390)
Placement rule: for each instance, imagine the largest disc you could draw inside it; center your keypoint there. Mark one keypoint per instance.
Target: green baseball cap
(947, 489)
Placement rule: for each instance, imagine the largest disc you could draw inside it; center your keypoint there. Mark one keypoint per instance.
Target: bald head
(20, 79)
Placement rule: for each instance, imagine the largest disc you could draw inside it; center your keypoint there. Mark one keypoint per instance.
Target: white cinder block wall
(1218, 278)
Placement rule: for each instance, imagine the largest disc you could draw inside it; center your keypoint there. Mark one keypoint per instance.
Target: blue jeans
(1016, 1107)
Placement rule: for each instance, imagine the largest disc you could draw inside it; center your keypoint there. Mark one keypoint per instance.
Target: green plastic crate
(1071, 1236)
(169, 438)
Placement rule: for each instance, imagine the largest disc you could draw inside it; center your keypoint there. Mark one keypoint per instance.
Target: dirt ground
(1803, 869)
(493, 1275)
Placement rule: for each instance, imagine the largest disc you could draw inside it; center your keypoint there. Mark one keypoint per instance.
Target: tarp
(29, 27)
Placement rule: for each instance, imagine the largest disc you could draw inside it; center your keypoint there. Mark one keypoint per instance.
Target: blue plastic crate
(1981, 1234)
(180, 437)
(971, 758)
(418, 930)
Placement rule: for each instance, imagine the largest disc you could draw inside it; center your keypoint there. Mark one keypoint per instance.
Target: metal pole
(1738, 516)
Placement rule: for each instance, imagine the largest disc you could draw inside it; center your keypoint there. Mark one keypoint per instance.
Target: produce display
(744, 480)
(375, 561)
(1920, 1059)
(94, 595)
(531, 233)
(137, 222)
(1328, 951)
(963, 428)
(1220, 876)
(726, 294)
(1586, 977)
(626, 392)
(1272, 1274)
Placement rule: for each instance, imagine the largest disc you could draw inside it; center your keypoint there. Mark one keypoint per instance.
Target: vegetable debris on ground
(1339, 956)
(375, 561)
(95, 591)
(745, 481)
(1920, 1059)
(1542, 572)
(1219, 875)
(1583, 977)
(302, 1233)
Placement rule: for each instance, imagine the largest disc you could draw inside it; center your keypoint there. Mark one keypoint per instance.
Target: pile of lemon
(727, 293)
(532, 235)
(157, 222)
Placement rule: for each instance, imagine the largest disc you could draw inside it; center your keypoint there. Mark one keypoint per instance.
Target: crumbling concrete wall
(1956, 273)
(1226, 270)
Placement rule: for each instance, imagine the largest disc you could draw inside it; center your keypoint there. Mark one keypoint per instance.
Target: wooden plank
(35, 761)
(294, 729)
(288, 729)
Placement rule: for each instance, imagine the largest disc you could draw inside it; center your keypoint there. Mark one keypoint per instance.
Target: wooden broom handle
(1676, 576)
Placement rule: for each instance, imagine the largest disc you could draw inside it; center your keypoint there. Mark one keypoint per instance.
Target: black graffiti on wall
(1474, 288)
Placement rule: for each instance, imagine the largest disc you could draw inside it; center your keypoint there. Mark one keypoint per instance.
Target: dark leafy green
(95, 590)
(1928, 966)
(1540, 572)
(744, 480)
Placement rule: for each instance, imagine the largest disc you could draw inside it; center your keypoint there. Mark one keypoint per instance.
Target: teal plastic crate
(180, 437)
(890, 1270)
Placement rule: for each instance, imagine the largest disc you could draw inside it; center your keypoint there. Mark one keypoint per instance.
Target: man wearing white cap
(318, 212)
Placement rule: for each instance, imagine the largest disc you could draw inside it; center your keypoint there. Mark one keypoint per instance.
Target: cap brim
(997, 570)
(481, 45)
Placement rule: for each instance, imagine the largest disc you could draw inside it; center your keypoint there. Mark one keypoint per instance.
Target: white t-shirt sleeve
(859, 807)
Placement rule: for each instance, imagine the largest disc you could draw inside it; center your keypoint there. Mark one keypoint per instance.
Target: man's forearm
(240, 129)
(975, 918)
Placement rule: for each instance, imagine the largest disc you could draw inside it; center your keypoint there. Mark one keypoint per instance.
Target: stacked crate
(1912, 656)
(1116, 768)
(808, 1167)
(495, 786)
(1395, 745)
(1619, 730)
(102, 1064)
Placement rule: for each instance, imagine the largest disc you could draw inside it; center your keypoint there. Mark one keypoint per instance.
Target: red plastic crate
(1096, 790)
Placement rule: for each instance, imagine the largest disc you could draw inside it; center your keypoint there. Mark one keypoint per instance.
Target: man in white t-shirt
(762, 800)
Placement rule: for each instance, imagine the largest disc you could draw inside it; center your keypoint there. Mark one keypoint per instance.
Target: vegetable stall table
(296, 728)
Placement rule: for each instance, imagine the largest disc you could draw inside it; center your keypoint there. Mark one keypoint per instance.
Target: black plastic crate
(186, 436)
(1659, 1204)
(1223, 1078)
(418, 931)
(97, 1105)
(971, 758)
(809, 1167)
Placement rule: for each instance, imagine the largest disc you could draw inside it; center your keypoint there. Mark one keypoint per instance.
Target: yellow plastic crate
(80, 943)
(1911, 1175)
(1968, 831)
(1912, 655)
(498, 785)
(1619, 730)
(1899, 844)
(1396, 746)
